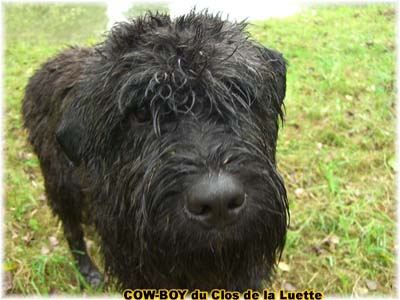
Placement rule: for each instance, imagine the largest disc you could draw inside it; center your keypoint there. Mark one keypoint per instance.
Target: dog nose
(216, 200)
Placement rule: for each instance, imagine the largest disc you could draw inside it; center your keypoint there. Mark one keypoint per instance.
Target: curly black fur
(123, 129)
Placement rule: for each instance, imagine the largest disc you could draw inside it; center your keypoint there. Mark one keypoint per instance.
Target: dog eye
(142, 115)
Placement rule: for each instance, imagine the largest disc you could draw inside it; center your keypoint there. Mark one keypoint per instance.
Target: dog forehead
(197, 64)
(188, 44)
(159, 29)
(174, 67)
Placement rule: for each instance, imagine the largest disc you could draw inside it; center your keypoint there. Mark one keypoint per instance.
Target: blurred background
(336, 150)
(234, 10)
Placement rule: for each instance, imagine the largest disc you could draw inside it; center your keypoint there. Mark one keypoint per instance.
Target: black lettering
(138, 294)
(127, 294)
(255, 295)
(226, 295)
(306, 294)
(182, 293)
(247, 295)
(173, 295)
(282, 295)
(195, 295)
(271, 295)
(163, 294)
(149, 294)
(215, 294)
(203, 295)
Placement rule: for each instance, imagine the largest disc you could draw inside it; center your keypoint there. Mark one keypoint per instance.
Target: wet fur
(124, 128)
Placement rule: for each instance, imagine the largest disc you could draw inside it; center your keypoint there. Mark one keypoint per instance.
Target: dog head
(175, 125)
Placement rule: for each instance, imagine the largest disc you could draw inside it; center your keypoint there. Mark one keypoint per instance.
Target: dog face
(176, 134)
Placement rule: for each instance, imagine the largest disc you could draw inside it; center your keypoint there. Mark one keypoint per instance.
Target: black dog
(163, 136)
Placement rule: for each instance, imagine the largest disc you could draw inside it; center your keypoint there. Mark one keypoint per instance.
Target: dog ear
(277, 63)
(70, 136)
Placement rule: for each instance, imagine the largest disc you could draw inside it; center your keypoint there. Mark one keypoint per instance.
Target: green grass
(138, 9)
(336, 149)
(34, 33)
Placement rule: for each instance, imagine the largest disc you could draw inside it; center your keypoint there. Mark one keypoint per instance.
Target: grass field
(336, 149)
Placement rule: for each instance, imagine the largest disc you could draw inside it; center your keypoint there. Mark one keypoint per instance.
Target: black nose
(216, 200)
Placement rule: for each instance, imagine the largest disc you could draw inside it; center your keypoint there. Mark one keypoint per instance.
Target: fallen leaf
(7, 281)
(348, 97)
(331, 241)
(295, 126)
(298, 191)
(334, 239)
(283, 266)
(28, 238)
(369, 43)
(371, 284)
(318, 249)
(289, 287)
(361, 291)
(44, 250)
(24, 155)
(330, 157)
(350, 113)
(89, 244)
(53, 242)
(33, 213)
(53, 291)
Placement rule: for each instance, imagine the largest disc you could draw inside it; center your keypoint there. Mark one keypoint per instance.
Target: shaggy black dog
(163, 136)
